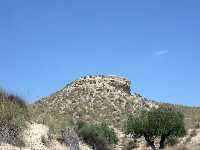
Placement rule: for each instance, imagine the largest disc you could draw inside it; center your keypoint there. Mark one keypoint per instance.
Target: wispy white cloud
(162, 52)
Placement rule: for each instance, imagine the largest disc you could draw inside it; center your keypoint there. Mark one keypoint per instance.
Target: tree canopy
(163, 122)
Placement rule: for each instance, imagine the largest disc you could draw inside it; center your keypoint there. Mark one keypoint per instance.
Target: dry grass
(14, 114)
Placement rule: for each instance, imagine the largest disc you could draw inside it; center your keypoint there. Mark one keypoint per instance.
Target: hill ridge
(95, 98)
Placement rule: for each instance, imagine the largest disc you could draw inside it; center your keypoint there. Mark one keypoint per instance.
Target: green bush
(99, 136)
(162, 122)
(14, 113)
(108, 133)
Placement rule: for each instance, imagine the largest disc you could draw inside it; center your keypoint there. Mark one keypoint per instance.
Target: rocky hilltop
(94, 99)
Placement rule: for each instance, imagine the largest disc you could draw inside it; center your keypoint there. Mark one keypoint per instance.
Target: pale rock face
(32, 138)
(6, 146)
(194, 142)
(196, 139)
(85, 147)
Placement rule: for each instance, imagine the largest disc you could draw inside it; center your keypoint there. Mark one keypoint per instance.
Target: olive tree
(160, 123)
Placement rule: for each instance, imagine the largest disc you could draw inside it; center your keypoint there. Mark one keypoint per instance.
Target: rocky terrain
(34, 138)
(95, 99)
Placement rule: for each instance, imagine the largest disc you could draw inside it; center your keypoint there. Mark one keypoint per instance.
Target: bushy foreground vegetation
(13, 114)
(160, 123)
(165, 123)
(99, 136)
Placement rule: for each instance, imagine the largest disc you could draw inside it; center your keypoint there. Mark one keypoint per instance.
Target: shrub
(171, 141)
(108, 133)
(131, 145)
(99, 136)
(162, 122)
(70, 138)
(14, 113)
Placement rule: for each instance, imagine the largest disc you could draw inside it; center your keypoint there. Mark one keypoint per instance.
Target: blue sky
(156, 44)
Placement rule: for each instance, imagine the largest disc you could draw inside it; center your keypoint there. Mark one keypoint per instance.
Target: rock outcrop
(94, 99)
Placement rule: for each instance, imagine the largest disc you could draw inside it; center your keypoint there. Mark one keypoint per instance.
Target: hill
(92, 99)
(102, 98)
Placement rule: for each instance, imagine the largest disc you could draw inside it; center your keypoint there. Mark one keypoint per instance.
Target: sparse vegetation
(162, 122)
(14, 113)
(191, 114)
(56, 122)
(90, 102)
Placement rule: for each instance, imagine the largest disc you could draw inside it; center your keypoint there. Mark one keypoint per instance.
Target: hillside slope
(93, 99)
(101, 99)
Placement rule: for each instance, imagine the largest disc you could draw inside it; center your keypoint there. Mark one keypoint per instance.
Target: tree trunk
(162, 145)
(150, 142)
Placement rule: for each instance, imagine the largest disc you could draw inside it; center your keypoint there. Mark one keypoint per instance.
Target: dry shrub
(70, 138)
(14, 113)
